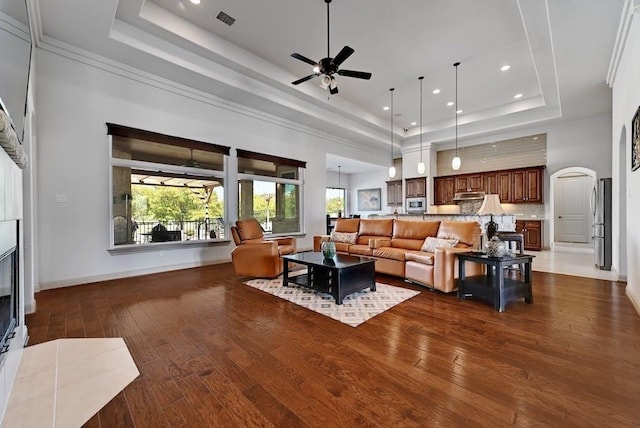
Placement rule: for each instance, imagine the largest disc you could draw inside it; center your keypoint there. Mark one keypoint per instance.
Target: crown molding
(79, 55)
(631, 8)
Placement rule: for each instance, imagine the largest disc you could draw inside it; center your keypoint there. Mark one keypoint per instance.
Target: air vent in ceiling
(225, 18)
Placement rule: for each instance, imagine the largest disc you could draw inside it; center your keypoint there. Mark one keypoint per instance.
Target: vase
(328, 249)
(496, 248)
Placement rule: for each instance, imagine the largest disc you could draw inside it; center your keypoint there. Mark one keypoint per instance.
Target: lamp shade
(491, 206)
(392, 171)
(421, 168)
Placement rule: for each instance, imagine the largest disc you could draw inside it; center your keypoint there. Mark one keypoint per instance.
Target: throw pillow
(349, 238)
(431, 243)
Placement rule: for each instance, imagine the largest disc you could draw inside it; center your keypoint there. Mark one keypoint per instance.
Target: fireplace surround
(8, 283)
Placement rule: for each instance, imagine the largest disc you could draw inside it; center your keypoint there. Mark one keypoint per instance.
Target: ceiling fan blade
(342, 55)
(333, 91)
(304, 79)
(304, 59)
(356, 74)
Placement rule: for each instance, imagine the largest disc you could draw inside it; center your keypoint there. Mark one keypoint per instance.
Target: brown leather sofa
(396, 245)
(256, 256)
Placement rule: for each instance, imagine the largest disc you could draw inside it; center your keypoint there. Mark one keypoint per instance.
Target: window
(165, 188)
(335, 200)
(269, 189)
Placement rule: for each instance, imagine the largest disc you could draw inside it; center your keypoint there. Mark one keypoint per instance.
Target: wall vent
(225, 18)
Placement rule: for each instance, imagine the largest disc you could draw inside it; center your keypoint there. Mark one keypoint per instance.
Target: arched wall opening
(575, 170)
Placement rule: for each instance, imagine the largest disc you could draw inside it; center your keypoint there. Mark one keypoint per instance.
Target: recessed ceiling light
(450, 103)
(385, 108)
(459, 111)
(436, 91)
(516, 96)
(195, 1)
(505, 67)
(414, 123)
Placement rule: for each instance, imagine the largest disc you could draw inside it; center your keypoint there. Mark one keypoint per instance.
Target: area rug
(356, 308)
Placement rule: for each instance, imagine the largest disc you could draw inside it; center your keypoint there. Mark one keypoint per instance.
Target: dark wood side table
(493, 286)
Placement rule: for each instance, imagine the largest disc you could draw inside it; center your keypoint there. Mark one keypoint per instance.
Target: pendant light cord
(456, 66)
(391, 129)
(420, 79)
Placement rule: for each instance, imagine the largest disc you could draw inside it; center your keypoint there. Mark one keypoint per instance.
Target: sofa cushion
(349, 238)
(389, 253)
(405, 229)
(466, 232)
(419, 257)
(383, 227)
(347, 225)
(407, 244)
(431, 243)
(342, 247)
(360, 250)
(249, 229)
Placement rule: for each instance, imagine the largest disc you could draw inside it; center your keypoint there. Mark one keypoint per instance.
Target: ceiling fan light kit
(328, 67)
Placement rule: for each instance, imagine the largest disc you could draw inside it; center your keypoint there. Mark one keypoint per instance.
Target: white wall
(626, 98)
(370, 180)
(74, 101)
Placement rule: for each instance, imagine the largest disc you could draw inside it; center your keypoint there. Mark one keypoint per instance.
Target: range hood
(468, 196)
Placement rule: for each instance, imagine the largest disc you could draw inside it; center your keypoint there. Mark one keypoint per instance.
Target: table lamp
(491, 206)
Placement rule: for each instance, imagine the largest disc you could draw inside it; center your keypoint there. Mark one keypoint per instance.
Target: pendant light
(421, 167)
(392, 168)
(456, 162)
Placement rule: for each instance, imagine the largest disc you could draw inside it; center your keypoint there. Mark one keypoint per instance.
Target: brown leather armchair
(256, 256)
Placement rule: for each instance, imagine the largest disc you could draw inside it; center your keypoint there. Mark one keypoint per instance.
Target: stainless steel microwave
(416, 205)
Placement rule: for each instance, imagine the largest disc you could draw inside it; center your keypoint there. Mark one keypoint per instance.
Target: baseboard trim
(30, 307)
(127, 274)
(635, 301)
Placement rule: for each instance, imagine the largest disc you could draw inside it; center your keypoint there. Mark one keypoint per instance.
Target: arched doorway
(571, 217)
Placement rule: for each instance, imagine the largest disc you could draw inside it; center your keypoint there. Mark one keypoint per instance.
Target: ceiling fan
(328, 66)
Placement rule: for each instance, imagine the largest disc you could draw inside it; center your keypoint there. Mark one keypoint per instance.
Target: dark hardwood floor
(214, 352)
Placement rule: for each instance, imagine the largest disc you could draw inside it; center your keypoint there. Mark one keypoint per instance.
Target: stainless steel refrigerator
(601, 208)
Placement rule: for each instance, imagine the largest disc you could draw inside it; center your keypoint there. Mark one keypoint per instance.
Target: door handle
(559, 216)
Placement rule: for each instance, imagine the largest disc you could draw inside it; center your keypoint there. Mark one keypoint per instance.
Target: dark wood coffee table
(339, 276)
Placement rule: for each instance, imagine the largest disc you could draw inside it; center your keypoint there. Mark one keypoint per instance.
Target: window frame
(278, 180)
(175, 169)
(344, 199)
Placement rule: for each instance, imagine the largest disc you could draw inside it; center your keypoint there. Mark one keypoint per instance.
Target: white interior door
(572, 211)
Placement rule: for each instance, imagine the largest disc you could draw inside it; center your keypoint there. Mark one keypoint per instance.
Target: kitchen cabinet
(469, 183)
(513, 186)
(532, 232)
(498, 183)
(526, 186)
(443, 190)
(394, 193)
(416, 187)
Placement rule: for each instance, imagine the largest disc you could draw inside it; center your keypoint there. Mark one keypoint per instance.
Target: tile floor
(570, 259)
(56, 381)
